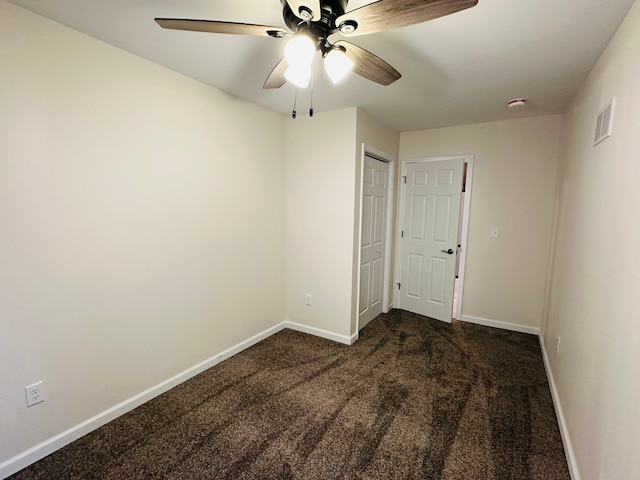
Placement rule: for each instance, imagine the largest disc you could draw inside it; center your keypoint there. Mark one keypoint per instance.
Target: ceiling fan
(310, 23)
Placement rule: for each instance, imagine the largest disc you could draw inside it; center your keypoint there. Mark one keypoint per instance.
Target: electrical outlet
(307, 299)
(34, 393)
(558, 346)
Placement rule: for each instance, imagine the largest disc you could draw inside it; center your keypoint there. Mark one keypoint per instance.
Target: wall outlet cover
(34, 393)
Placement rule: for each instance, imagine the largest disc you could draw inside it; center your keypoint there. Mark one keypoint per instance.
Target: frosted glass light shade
(299, 75)
(300, 51)
(337, 65)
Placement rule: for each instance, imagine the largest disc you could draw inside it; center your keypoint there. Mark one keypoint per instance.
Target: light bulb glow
(337, 65)
(299, 75)
(300, 51)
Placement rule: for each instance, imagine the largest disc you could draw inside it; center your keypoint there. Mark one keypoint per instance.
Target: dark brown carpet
(412, 399)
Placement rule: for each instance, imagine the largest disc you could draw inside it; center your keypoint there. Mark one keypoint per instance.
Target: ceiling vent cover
(604, 123)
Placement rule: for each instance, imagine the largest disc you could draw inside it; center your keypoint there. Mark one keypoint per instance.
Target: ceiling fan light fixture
(311, 23)
(337, 64)
(300, 51)
(299, 75)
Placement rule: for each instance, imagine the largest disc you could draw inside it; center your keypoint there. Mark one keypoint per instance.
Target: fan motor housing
(331, 9)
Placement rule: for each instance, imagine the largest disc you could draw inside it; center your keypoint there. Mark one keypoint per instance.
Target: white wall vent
(604, 123)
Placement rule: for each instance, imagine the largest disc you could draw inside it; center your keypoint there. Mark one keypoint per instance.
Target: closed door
(372, 248)
(430, 237)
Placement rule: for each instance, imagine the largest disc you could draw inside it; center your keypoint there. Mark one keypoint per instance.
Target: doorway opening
(463, 231)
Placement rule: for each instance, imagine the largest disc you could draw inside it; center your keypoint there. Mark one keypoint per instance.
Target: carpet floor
(413, 398)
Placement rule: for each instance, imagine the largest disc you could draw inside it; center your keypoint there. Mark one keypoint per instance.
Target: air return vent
(604, 123)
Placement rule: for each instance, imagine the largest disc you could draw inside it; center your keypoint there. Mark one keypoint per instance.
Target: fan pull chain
(295, 102)
(311, 106)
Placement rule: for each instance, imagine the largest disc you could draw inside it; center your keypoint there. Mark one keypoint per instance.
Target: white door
(372, 248)
(430, 237)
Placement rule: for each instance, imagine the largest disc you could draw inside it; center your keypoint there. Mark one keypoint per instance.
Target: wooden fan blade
(276, 78)
(213, 26)
(388, 14)
(312, 6)
(368, 65)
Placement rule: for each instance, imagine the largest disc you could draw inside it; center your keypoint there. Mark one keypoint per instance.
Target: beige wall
(319, 185)
(594, 306)
(142, 223)
(514, 173)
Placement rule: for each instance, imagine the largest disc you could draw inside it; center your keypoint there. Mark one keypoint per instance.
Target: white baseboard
(514, 327)
(564, 432)
(32, 455)
(318, 332)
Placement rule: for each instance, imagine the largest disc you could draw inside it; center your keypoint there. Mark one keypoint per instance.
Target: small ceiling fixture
(517, 103)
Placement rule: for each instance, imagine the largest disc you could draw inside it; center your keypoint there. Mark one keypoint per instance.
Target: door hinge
(399, 285)
(404, 178)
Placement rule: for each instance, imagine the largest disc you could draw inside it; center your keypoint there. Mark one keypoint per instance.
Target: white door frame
(386, 289)
(464, 235)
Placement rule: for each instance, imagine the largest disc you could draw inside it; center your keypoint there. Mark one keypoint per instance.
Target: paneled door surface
(375, 194)
(430, 237)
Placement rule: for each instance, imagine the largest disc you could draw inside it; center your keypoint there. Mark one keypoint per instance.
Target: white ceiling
(458, 69)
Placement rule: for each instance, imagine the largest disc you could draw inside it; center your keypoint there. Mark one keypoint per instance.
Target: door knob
(450, 251)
